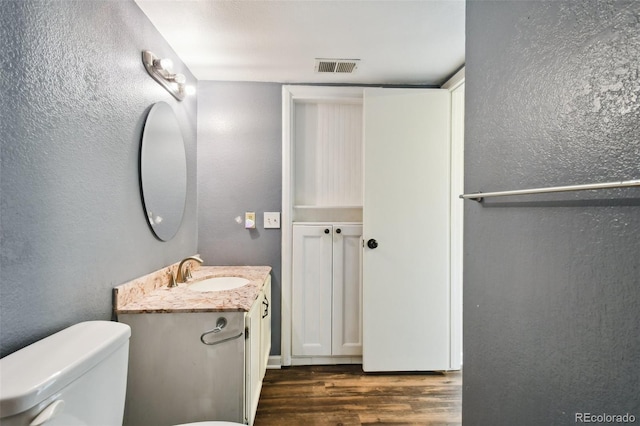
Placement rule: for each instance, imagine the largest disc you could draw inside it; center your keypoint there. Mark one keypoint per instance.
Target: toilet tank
(77, 376)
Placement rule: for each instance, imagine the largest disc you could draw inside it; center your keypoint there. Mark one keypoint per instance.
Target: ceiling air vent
(336, 65)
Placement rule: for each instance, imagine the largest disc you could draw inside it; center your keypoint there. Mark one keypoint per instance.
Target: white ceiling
(408, 42)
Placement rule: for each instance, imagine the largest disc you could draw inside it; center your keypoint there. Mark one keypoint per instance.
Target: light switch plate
(272, 220)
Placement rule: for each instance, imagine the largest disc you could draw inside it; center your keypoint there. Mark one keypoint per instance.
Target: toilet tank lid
(34, 373)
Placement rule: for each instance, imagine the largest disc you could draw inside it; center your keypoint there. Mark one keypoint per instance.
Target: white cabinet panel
(311, 301)
(327, 290)
(257, 347)
(347, 290)
(252, 359)
(252, 368)
(265, 340)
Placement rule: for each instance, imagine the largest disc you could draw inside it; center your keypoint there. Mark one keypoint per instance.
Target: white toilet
(77, 376)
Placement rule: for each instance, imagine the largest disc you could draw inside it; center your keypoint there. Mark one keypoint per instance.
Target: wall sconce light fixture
(160, 70)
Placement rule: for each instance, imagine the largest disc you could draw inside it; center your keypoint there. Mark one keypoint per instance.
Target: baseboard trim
(326, 360)
(274, 362)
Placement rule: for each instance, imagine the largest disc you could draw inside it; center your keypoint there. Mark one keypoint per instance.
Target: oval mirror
(163, 171)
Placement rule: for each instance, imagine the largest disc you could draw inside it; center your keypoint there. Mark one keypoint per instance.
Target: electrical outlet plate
(271, 220)
(250, 220)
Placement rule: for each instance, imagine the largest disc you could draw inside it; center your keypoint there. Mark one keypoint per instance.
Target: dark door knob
(326, 231)
(338, 231)
(372, 243)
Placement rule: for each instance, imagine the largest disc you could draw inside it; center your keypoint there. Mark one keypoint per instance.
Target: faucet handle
(172, 281)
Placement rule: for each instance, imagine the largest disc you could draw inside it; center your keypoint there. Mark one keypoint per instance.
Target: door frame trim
(290, 95)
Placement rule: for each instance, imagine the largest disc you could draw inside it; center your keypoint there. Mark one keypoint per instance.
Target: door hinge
(246, 333)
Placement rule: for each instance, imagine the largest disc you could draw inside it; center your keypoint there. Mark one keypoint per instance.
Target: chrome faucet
(183, 276)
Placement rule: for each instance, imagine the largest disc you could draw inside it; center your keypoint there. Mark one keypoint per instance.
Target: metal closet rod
(479, 196)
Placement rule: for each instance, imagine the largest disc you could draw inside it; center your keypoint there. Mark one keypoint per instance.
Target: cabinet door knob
(326, 231)
(338, 231)
(372, 243)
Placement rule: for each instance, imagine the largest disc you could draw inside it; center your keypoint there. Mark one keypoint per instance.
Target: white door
(311, 290)
(347, 290)
(406, 211)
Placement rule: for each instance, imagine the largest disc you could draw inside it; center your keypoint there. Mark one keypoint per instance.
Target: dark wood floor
(345, 395)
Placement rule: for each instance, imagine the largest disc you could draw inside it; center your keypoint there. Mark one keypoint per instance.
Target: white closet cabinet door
(311, 290)
(347, 290)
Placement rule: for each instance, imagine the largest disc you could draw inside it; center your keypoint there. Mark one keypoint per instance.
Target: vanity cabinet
(327, 290)
(182, 370)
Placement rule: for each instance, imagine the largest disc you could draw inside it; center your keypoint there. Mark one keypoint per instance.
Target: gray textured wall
(240, 170)
(74, 98)
(552, 282)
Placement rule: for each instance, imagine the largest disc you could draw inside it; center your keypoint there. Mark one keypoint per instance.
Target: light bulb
(163, 64)
(179, 78)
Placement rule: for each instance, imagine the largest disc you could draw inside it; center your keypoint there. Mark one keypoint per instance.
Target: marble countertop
(150, 294)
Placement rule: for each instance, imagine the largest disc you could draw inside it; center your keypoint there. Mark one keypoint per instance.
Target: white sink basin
(219, 284)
